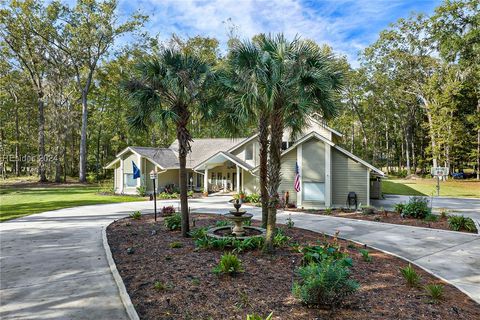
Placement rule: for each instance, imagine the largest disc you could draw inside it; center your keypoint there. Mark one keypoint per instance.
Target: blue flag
(136, 171)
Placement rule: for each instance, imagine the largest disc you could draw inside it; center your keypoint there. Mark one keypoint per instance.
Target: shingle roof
(165, 157)
(203, 149)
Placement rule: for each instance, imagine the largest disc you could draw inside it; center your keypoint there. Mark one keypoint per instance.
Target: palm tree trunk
(274, 174)
(184, 138)
(263, 140)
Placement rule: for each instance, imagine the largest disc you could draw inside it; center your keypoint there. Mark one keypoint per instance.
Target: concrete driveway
(469, 207)
(53, 264)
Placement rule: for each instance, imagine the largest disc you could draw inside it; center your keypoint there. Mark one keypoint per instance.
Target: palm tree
(169, 88)
(280, 84)
(243, 105)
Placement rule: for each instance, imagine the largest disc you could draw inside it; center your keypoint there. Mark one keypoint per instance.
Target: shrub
(166, 196)
(365, 255)
(142, 191)
(324, 284)
(190, 193)
(398, 207)
(176, 245)
(434, 291)
(229, 264)
(410, 275)
(417, 207)
(173, 222)
(137, 215)
(256, 317)
(159, 286)
(253, 198)
(198, 233)
(458, 223)
(368, 210)
(431, 218)
(168, 210)
(318, 254)
(280, 239)
(290, 222)
(222, 223)
(328, 211)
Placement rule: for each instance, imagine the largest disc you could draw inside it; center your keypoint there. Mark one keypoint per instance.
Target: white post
(299, 162)
(139, 181)
(328, 176)
(122, 175)
(238, 179)
(205, 182)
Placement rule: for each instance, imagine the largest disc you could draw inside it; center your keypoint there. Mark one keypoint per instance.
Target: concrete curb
(127, 303)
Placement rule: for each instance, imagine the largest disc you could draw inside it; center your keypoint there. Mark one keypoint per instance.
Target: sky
(346, 25)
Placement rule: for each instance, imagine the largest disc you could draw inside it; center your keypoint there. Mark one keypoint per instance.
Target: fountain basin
(223, 232)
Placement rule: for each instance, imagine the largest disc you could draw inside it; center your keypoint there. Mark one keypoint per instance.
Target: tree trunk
(41, 139)
(274, 174)
(17, 142)
(431, 131)
(478, 142)
(184, 138)
(83, 139)
(407, 152)
(263, 140)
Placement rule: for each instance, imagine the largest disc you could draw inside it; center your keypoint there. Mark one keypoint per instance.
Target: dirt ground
(188, 289)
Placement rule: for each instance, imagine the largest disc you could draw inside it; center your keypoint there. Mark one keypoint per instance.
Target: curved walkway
(53, 264)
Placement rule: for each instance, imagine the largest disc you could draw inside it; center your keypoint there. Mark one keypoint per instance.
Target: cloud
(346, 25)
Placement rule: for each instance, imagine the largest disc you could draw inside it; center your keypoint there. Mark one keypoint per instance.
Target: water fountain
(239, 230)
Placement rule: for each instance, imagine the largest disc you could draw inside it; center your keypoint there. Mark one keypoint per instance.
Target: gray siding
(347, 175)
(288, 175)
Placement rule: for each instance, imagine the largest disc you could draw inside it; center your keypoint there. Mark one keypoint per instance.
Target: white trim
(139, 181)
(299, 162)
(242, 143)
(238, 179)
(226, 155)
(122, 177)
(110, 164)
(138, 154)
(328, 176)
(326, 127)
(368, 187)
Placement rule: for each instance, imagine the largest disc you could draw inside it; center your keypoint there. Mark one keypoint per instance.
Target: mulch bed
(384, 216)
(192, 291)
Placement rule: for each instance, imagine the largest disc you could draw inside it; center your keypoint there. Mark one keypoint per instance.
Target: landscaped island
(171, 277)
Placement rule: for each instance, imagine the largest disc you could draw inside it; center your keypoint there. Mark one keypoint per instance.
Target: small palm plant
(229, 264)
(410, 275)
(434, 291)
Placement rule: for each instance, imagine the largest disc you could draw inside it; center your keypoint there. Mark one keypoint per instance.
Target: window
(314, 191)
(249, 152)
(129, 181)
(284, 145)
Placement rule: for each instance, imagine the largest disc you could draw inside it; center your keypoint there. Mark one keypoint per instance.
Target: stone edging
(127, 303)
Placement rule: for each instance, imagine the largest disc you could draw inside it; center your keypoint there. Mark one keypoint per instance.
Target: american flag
(296, 183)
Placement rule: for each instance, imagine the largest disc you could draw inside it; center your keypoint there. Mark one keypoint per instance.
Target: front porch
(224, 172)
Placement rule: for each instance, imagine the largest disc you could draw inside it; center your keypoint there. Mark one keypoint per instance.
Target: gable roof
(164, 157)
(314, 134)
(202, 149)
(224, 155)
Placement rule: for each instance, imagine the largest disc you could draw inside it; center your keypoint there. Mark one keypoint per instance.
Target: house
(328, 173)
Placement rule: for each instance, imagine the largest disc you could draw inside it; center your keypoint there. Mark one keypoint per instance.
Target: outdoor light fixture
(153, 176)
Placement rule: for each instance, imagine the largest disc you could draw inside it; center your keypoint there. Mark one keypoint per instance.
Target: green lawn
(19, 201)
(425, 187)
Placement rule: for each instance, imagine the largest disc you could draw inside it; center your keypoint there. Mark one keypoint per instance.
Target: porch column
(205, 181)
(238, 179)
(122, 176)
(328, 175)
